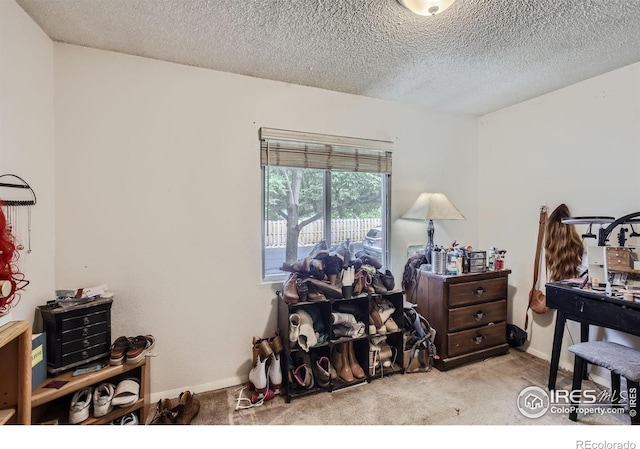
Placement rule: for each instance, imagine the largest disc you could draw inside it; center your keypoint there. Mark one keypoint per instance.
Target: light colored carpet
(479, 393)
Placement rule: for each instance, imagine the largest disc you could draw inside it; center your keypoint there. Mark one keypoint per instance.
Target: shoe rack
(52, 404)
(338, 348)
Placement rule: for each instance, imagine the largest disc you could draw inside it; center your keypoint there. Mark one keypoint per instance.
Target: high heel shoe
(275, 368)
(258, 375)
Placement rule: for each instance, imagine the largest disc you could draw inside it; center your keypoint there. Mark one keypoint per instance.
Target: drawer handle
(85, 320)
(480, 291)
(86, 343)
(478, 315)
(85, 332)
(478, 338)
(84, 354)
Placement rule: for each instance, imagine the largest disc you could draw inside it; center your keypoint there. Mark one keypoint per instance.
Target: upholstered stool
(620, 360)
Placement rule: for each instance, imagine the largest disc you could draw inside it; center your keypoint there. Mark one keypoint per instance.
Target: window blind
(325, 152)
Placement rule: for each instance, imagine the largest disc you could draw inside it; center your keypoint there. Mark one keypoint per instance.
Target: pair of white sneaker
(104, 397)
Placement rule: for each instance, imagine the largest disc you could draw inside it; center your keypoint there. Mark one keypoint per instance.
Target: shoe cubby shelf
(53, 404)
(329, 345)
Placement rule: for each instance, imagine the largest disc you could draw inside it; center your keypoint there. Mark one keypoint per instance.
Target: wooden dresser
(468, 312)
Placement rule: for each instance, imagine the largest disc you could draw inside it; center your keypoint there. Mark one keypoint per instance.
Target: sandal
(127, 393)
(118, 350)
(139, 347)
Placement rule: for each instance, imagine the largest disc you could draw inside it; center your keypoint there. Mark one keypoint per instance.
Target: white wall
(26, 146)
(158, 194)
(577, 146)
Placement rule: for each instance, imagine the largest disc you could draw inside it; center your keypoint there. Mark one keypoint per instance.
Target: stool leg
(616, 397)
(578, 370)
(632, 393)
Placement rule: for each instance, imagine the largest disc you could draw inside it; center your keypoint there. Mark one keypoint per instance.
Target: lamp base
(429, 246)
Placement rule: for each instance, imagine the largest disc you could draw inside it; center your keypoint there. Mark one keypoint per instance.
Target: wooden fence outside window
(354, 229)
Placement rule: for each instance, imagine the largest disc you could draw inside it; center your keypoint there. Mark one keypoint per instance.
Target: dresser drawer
(84, 320)
(477, 292)
(477, 339)
(85, 354)
(84, 332)
(477, 315)
(84, 343)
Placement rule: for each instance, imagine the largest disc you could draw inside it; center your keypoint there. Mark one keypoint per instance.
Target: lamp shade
(426, 7)
(433, 206)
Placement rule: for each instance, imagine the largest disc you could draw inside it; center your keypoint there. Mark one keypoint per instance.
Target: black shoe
(368, 260)
(388, 280)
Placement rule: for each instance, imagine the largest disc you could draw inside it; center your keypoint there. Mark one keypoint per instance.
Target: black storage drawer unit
(77, 334)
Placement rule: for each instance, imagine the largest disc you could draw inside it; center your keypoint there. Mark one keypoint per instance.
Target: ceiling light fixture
(426, 7)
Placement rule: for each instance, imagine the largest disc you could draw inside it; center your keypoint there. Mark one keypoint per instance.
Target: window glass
(306, 207)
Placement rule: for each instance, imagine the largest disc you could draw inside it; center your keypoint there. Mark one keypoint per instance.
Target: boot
(385, 309)
(164, 413)
(294, 329)
(259, 349)
(336, 361)
(369, 260)
(303, 374)
(375, 320)
(328, 290)
(303, 290)
(346, 319)
(313, 294)
(190, 409)
(290, 295)
(320, 248)
(322, 371)
(275, 369)
(345, 372)
(307, 337)
(388, 280)
(356, 369)
(391, 325)
(345, 253)
(378, 286)
(258, 376)
(299, 266)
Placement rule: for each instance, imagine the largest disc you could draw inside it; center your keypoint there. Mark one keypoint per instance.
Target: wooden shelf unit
(43, 400)
(15, 373)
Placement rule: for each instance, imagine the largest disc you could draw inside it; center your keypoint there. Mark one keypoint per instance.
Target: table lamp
(432, 206)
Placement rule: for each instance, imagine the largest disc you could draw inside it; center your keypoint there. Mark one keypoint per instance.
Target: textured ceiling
(476, 57)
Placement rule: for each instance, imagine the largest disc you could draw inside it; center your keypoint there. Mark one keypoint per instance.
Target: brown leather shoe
(345, 372)
(190, 407)
(290, 295)
(164, 413)
(356, 369)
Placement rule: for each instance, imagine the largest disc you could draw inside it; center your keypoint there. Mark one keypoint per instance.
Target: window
(321, 189)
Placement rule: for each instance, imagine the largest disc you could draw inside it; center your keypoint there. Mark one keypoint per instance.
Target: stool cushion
(620, 359)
